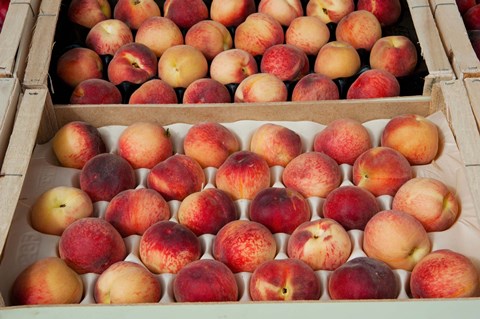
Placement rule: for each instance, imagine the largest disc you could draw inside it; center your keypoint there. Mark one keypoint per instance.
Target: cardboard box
(9, 97)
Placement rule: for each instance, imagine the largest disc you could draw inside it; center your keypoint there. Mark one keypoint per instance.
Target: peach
(87, 13)
(337, 59)
(180, 65)
(322, 243)
(185, 13)
(159, 34)
(308, 33)
(261, 87)
(343, 140)
(205, 280)
(91, 245)
(374, 83)
(145, 144)
(444, 274)
(231, 13)
(167, 247)
(243, 174)
(176, 177)
(312, 174)
(154, 91)
(79, 64)
(284, 279)
(396, 238)
(284, 11)
(257, 33)
(126, 282)
(474, 36)
(363, 278)
(96, 91)
(286, 61)
(210, 143)
(210, 37)
(280, 209)
(464, 5)
(381, 170)
(47, 281)
(206, 90)
(58, 207)
(277, 144)
(387, 11)
(471, 18)
(105, 175)
(232, 66)
(134, 13)
(244, 245)
(315, 87)
(207, 211)
(396, 54)
(359, 28)
(76, 142)
(107, 36)
(415, 136)
(132, 211)
(329, 10)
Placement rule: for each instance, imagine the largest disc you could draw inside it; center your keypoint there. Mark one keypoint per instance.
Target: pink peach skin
(360, 28)
(374, 83)
(387, 11)
(315, 87)
(286, 61)
(231, 13)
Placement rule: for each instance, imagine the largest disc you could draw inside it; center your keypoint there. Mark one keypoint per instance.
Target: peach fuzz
(79, 64)
(277, 144)
(167, 247)
(145, 144)
(232, 66)
(257, 33)
(337, 59)
(231, 13)
(343, 140)
(360, 28)
(210, 37)
(415, 136)
(185, 13)
(329, 10)
(312, 174)
(396, 238)
(284, 11)
(96, 91)
(154, 91)
(307, 33)
(47, 281)
(374, 83)
(396, 54)
(381, 170)
(244, 245)
(284, 279)
(159, 34)
(210, 143)
(134, 13)
(387, 11)
(243, 175)
(206, 90)
(322, 243)
(87, 13)
(91, 245)
(261, 87)
(107, 36)
(315, 87)
(286, 61)
(132, 211)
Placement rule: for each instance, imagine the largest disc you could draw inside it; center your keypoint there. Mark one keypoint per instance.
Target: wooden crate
(9, 96)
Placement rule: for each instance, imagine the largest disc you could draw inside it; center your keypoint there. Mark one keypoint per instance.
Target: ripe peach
(471, 18)
(79, 64)
(374, 83)
(337, 59)
(107, 36)
(206, 90)
(359, 28)
(185, 13)
(387, 11)
(474, 36)
(284, 11)
(315, 87)
(464, 5)
(134, 13)
(87, 13)
(261, 87)
(396, 54)
(286, 61)
(232, 66)
(328, 10)
(309, 33)
(154, 91)
(231, 13)
(159, 34)
(96, 91)
(210, 37)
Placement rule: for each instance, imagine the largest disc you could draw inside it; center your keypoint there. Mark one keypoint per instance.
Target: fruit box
(455, 38)
(9, 97)
(29, 169)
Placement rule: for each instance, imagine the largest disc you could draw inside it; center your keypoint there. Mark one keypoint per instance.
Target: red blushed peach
(105, 175)
(176, 177)
(205, 280)
(76, 142)
(396, 54)
(243, 245)
(464, 5)
(185, 13)
(286, 61)
(167, 247)
(471, 18)
(360, 28)
(243, 175)
(337, 59)
(315, 87)
(428, 200)
(79, 64)
(87, 13)
(210, 37)
(280, 209)
(363, 278)
(343, 140)
(474, 36)
(322, 243)
(277, 144)
(91, 245)
(150, 30)
(207, 211)
(284, 11)
(96, 91)
(47, 281)
(210, 143)
(154, 91)
(257, 33)
(145, 144)
(231, 13)
(232, 66)
(107, 36)
(387, 11)
(374, 83)
(206, 90)
(307, 33)
(312, 174)
(261, 87)
(444, 274)
(415, 136)
(132, 211)
(381, 170)
(284, 279)
(134, 13)
(329, 10)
